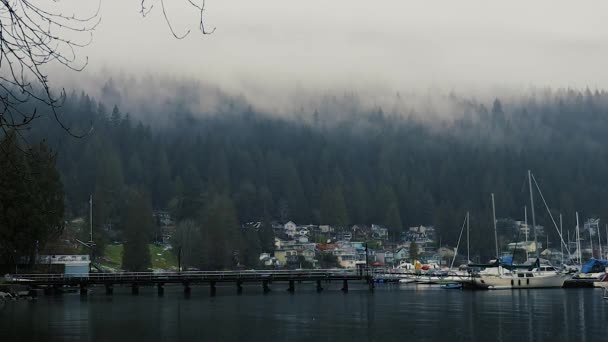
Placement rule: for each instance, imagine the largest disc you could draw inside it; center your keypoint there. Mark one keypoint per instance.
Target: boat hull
(514, 282)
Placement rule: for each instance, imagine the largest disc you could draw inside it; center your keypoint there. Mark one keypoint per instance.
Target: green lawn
(161, 258)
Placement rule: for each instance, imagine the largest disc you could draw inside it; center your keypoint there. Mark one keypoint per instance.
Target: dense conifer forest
(351, 164)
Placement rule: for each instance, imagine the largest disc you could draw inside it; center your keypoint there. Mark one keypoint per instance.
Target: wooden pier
(187, 279)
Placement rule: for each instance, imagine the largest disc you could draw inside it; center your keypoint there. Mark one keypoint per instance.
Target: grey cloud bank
(382, 46)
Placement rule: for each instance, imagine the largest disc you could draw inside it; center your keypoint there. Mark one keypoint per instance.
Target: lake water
(391, 313)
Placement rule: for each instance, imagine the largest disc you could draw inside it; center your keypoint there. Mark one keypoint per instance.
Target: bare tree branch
(34, 34)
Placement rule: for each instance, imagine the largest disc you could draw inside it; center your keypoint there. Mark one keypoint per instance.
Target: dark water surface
(391, 313)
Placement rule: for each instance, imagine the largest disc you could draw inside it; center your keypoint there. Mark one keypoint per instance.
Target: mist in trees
(363, 166)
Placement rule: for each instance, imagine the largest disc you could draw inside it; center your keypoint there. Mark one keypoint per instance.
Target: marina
(392, 311)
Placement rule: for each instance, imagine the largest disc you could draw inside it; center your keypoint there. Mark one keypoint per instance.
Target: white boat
(407, 280)
(543, 277)
(403, 267)
(539, 277)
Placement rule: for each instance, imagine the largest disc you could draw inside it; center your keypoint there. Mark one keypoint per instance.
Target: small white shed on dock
(74, 265)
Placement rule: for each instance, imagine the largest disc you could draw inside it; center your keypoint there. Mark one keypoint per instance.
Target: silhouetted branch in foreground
(36, 34)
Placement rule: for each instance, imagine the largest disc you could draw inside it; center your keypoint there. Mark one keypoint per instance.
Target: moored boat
(452, 286)
(536, 278)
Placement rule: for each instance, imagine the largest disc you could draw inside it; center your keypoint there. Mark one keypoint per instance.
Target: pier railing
(190, 276)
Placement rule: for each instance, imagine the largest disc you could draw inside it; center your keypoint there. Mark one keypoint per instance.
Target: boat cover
(594, 265)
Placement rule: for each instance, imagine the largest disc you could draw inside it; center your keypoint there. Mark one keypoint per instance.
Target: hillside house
(402, 254)
(385, 257)
(379, 232)
(360, 232)
(290, 229)
(284, 255)
(325, 229)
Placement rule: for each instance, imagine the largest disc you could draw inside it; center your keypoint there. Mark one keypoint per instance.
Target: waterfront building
(73, 265)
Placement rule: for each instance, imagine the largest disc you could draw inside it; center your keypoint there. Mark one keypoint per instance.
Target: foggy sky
(264, 45)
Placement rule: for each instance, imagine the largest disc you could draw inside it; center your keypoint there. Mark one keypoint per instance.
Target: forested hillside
(361, 166)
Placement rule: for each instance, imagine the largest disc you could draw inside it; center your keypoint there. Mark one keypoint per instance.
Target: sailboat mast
(578, 241)
(458, 244)
(526, 221)
(468, 241)
(569, 242)
(599, 239)
(533, 218)
(561, 233)
(590, 241)
(494, 219)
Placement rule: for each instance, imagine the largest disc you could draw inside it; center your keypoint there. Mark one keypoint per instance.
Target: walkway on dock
(159, 279)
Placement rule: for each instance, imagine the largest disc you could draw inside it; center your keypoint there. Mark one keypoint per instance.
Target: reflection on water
(407, 312)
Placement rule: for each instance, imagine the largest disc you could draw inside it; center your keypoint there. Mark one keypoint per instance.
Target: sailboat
(536, 276)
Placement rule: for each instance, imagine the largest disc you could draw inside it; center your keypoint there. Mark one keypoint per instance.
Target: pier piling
(292, 287)
(134, 289)
(345, 286)
(319, 287)
(265, 286)
(212, 289)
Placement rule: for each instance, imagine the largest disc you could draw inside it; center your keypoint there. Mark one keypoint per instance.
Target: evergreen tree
(414, 253)
(393, 222)
(266, 236)
(249, 255)
(107, 201)
(138, 225)
(31, 200)
(220, 232)
(186, 243)
(162, 183)
(333, 208)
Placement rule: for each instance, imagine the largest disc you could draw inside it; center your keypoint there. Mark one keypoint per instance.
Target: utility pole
(179, 259)
(91, 218)
(495, 231)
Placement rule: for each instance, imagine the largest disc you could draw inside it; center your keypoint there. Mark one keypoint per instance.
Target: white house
(290, 228)
(326, 228)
